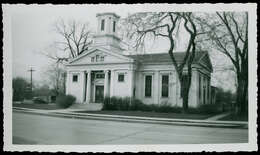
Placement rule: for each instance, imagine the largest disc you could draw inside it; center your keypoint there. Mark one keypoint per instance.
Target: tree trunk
(244, 101)
(185, 99)
(241, 95)
(185, 88)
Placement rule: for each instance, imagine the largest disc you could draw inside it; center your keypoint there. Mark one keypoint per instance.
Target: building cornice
(106, 35)
(107, 13)
(96, 63)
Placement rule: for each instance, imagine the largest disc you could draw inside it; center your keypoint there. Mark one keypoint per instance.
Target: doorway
(99, 94)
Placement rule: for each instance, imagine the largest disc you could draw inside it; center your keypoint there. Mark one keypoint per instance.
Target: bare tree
(56, 77)
(229, 34)
(75, 38)
(166, 25)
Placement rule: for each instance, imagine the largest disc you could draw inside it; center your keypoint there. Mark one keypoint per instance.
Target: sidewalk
(217, 117)
(69, 113)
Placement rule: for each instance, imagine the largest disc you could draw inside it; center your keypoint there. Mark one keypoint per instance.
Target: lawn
(38, 106)
(151, 114)
(234, 117)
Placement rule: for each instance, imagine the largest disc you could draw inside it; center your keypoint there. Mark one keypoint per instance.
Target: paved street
(36, 129)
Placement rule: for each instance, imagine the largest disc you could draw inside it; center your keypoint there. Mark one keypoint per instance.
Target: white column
(112, 79)
(210, 89)
(157, 87)
(67, 82)
(131, 80)
(106, 84)
(88, 97)
(84, 86)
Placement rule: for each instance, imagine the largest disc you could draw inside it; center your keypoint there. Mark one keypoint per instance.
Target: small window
(121, 78)
(148, 86)
(102, 58)
(114, 26)
(165, 86)
(97, 58)
(102, 24)
(100, 76)
(92, 59)
(75, 78)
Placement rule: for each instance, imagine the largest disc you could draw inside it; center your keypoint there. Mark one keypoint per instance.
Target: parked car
(38, 100)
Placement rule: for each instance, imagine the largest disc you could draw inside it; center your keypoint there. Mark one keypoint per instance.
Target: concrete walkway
(217, 117)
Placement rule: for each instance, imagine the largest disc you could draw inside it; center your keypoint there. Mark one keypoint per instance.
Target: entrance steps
(87, 106)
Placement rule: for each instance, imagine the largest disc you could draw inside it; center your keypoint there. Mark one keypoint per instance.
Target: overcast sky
(32, 31)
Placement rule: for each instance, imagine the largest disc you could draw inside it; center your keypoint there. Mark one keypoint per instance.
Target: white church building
(104, 70)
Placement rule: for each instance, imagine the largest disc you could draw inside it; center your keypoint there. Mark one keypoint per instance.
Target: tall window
(209, 90)
(204, 90)
(102, 24)
(114, 26)
(165, 85)
(199, 88)
(148, 85)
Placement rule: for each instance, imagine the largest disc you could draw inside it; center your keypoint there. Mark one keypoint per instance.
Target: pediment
(98, 55)
(205, 61)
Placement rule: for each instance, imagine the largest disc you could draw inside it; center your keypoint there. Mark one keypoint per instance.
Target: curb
(139, 119)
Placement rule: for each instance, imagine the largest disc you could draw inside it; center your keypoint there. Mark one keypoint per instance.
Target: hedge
(124, 104)
(65, 101)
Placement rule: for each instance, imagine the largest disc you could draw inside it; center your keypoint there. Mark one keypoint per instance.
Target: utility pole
(31, 70)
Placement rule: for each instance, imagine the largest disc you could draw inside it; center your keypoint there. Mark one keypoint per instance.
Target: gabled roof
(165, 57)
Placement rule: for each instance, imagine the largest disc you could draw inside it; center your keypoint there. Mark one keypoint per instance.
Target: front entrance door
(99, 95)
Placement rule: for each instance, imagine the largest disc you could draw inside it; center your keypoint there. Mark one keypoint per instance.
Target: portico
(98, 82)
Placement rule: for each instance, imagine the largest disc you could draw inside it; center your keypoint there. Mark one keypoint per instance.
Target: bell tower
(106, 35)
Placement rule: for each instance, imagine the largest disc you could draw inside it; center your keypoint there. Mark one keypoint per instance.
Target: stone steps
(87, 106)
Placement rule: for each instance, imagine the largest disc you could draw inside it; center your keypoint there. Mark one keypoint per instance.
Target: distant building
(104, 70)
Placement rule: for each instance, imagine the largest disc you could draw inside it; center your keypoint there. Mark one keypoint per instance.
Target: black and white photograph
(130, 77)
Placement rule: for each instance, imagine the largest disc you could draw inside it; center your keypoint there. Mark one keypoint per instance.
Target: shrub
(136, 105)
(119, 103)
(106, 103)
(124, 104)
(65, 101)
(210, 109)
(206, 109)
(168, 108)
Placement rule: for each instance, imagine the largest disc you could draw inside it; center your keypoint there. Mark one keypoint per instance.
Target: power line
(31, 70)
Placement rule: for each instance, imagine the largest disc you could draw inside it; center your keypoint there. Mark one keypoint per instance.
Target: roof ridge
(162, 53)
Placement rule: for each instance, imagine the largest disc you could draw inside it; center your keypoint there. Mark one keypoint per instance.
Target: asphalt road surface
(37, 129)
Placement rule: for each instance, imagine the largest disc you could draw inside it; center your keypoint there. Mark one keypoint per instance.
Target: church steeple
(107, 30)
